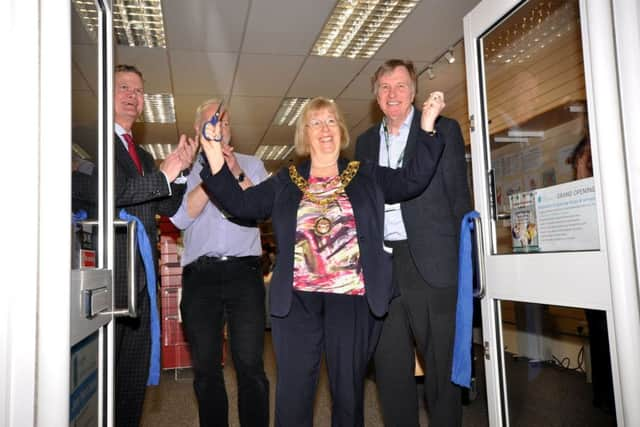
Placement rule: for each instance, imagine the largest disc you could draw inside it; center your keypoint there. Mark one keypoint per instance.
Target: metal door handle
(132, 261)
(478, 241)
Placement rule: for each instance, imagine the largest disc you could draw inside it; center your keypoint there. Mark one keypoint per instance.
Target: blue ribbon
(461, 367)
(144, 246)
(81, 215)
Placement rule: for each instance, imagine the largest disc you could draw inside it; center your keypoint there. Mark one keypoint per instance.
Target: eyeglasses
(316, 124)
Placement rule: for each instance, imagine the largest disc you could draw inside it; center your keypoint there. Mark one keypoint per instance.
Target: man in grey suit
(423, 234)
(144, 190)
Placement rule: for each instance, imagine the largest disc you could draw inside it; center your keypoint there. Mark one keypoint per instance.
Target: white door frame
(617, 163)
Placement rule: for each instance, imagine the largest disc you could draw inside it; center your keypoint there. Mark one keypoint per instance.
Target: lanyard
(387, 143)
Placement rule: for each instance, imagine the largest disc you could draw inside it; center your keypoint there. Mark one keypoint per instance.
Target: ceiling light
(273, 152)
(430, 72)
(79, 151)
(289, 111)
(526, 133)
(357, 28)
(135, 22)
(449, 56)
(158, 108)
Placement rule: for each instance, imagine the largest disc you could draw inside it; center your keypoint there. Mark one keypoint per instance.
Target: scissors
(213, 121)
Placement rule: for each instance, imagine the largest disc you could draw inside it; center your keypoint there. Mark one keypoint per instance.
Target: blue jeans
(232, 290)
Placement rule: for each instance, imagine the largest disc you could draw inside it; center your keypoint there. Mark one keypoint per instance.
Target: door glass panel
(557, 365)
(84, 133)
(537, 118)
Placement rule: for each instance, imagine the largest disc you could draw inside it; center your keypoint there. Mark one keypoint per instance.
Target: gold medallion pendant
(322, 226)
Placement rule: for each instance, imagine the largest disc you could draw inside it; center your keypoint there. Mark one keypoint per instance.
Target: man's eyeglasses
(317, 123)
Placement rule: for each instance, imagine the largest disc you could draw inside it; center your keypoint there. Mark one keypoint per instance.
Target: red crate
(170, 301)
(168, 244)
(168, 258)
(176, 356)
(171, 269)
(171, 281)
(172, 332)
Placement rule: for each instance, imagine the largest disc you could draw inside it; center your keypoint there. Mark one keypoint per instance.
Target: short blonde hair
(203, 106)
(316, 104)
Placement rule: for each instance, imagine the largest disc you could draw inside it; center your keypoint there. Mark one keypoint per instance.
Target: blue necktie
(461, 367)
(144, 246)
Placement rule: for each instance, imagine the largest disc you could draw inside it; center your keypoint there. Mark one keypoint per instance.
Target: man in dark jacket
(423, 233)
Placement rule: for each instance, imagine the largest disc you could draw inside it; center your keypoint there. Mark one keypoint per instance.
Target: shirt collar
(405, 124)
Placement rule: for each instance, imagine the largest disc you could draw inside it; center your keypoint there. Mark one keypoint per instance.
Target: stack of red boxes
(175, 350)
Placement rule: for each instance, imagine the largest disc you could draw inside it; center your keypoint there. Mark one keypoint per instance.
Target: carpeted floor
(540, 395)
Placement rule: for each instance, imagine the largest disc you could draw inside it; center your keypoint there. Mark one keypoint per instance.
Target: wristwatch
(241, 177)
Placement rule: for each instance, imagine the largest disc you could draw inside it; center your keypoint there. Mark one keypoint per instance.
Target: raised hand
(431, 109)
(213, 148)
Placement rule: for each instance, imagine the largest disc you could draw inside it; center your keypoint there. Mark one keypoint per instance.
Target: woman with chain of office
(332, 279)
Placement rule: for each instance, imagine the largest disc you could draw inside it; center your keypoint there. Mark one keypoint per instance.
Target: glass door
(547, 306)
(92, 229)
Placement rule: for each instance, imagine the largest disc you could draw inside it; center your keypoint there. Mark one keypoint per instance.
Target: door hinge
(486, 350)
(472, 122)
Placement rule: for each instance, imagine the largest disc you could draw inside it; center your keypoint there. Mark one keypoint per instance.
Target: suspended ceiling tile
(201, 72)
(326, 77)
(279, 135)
(85, 59)
(265, 75)
(253, 110)
(360, 86)
(355, 110)
(205, 25)
(285, 26)
(186, 106)
(152, 62)
(246, 138)
(428, 30)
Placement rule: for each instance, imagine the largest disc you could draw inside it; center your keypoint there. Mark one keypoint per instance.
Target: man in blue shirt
(222, 280)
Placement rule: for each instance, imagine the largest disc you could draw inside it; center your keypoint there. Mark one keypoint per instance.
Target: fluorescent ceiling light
(158, 108)
(159, 151)
(577, 108)
(509, 139)
(80, 152)
(274, 152)
(357, 28)
(289, 111)
(135, 22)
(526, 133)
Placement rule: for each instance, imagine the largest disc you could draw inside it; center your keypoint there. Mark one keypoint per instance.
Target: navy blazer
(279, 198)
(432, 220)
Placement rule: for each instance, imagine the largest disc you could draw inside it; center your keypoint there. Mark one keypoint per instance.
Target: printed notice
(524, 234)
(567, 217)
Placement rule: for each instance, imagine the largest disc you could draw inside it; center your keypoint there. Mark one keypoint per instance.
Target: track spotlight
(449, 56)
(430, 73)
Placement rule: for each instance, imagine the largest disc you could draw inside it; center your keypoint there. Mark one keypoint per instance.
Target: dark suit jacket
(279, 198)
(141, 195)
(432, 220)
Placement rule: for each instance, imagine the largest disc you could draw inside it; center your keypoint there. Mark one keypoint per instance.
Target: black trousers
(424, 317)
(212, 291)
(344, 329)
(133, 346)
